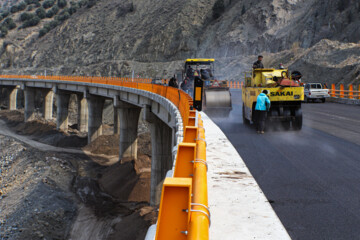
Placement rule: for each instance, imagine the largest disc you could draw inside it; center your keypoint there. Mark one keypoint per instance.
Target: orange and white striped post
(238, 85)
(351, 89)
(341, 90)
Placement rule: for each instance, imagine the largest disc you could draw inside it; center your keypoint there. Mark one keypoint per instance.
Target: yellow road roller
(216, 97)
(284, 92)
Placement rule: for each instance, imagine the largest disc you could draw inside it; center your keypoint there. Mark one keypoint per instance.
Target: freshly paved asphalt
(312, 176)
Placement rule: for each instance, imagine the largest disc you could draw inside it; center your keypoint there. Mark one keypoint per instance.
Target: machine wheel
(245, 120)
(286, 125)
(323, 100)
(297, 123)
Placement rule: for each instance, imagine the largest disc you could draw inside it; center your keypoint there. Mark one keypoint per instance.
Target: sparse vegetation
(26, 16)
(218, 9)
(90, 3)
(28, 2)
(5, 14)
(6, 25)
(3, 31)
(9, 23)
(243, 10)
(48, 4)
(61, 3)
(343, 4)
(52, 12)
(22, 6)
(33, 21)
(40, 12)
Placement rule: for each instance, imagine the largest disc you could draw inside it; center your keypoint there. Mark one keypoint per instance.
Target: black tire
(297, 123)
(245, 120)
(323, 100)
(286, 125)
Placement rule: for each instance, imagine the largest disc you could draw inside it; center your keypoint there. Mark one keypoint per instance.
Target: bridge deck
(238, 207)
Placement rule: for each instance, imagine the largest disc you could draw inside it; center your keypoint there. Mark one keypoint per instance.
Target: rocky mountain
(321, 38)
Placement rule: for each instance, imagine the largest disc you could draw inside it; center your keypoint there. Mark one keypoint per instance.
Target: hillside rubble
(59, 195)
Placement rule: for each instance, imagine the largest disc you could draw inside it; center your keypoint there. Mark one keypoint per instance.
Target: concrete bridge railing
(177, 137)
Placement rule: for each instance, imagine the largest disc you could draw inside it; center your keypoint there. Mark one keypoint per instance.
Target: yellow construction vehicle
(215, 97)
(284, 92)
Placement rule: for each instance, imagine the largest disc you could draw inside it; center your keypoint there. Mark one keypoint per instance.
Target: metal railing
(342, 93)
(183, 211)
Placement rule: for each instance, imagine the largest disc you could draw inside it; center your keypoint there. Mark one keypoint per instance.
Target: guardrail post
(359, 92)
(351, 89)
(200, 213)
(174, 211)
(341, 90)
(332, 90)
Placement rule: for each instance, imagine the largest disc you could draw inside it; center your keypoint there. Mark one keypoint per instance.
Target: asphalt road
(312, 176)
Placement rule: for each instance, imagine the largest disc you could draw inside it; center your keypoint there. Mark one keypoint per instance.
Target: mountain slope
(153, 37)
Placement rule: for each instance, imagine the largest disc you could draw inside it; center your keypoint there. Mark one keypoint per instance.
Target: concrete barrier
(344, 100)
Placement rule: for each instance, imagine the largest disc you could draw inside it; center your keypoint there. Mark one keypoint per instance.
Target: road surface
(311, 177)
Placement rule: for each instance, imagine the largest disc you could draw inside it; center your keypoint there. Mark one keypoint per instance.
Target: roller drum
(217, 99)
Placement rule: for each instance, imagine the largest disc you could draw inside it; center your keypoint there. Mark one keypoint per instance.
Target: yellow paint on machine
(198, 94)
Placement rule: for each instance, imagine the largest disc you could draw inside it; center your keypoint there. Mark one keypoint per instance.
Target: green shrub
(22, 6)
(3, 31)
(218, 9)
(28, 2)
(31, 22)
(42, 32)
(61, 3)
(14, 9)
(91, 3)
(53, 24)
(26, 16)
(40, 12)
(83, 3)
(9, 23)
(72, 10)
(5, 14)
(30, 8)
(48, 4)
(63, 16)
(53, 11)
(243, 10)
(37, 4)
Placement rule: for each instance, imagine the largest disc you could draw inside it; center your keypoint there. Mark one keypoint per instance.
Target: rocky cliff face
(153, 38)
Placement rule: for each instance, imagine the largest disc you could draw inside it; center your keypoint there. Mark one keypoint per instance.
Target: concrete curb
(239, 209)
(344, 100)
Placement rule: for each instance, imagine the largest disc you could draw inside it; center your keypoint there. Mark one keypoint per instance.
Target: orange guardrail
(342, 93)
(183, 212)
(235, 84)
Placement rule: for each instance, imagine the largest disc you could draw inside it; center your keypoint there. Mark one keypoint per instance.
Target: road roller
(209, 93)
(284, 92)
